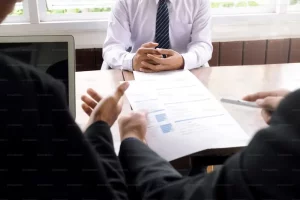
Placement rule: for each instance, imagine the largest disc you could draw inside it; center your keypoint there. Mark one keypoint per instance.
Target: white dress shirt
(132, 23)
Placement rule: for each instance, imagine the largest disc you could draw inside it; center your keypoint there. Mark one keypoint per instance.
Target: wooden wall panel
(85, 60)
(215, 56)
(254, 52)
(224, 54)
(295, 51)
(231, 53)
(278, 51)
(99, 59)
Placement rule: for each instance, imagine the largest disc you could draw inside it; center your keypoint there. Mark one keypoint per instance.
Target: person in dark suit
(268, 168)
(43, 153)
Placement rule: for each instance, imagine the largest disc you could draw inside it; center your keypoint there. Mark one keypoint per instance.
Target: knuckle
(119, 90)
(268, 100)
(110, 99)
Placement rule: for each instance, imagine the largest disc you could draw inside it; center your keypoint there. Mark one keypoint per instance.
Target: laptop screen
(49, 57)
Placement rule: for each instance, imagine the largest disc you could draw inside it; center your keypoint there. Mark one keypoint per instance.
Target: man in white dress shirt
(162, 35)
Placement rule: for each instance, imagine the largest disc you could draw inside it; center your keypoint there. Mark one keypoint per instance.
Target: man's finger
(120, 91)
(94, 95)
(269, 103)
(147, 51)
(157, 59)
(168, 52)
(258, 95)
(266, 115)
(150, 45)
(90, 102)
(262, 95)
(143, 112)
(146, 70)
(86, 109)
(155, 68)
(120, 105)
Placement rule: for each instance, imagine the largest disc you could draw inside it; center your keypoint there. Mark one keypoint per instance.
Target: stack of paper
(183, 116)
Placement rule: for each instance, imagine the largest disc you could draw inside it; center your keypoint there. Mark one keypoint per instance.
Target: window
(18, 11)
(39, 11)
(53, 10)
(20, 14)
(221, 7)
(294, 6)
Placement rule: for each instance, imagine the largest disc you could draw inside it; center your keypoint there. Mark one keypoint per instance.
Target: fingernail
(259, 102)
(141, 70)
(126, 84)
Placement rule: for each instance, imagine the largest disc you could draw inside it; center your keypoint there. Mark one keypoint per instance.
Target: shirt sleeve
(200, 48)
(116, 44)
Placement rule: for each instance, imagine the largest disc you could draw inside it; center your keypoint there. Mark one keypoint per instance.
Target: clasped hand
(148, 59)
(108, 109)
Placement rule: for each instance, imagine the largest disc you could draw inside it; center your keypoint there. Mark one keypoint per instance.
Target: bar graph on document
(183, 116)
(143, 96)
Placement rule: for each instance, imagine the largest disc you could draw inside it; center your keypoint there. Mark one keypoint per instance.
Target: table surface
(229, 82)
(238, 81)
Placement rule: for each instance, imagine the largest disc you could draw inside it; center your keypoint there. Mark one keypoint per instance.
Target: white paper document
(183, 116)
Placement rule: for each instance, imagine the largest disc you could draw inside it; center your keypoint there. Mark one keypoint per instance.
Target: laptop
(54, 55)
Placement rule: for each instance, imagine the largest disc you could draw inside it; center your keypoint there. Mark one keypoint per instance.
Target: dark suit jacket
(43, 153)
(269, 168)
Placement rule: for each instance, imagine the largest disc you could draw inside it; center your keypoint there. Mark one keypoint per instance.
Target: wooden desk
(104, 82)
(238, 81)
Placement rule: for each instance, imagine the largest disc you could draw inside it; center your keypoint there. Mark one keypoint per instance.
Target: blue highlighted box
(166, 128)
(161, 117)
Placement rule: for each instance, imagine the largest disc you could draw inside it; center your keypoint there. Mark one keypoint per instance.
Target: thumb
(144, 113)
(150, 45)
(269, 103)
(120, 91)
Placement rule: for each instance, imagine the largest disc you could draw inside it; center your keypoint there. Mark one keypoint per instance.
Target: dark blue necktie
(162, 25)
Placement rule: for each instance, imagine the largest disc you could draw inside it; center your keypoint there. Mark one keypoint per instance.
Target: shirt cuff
(127, 62)
(190, 60)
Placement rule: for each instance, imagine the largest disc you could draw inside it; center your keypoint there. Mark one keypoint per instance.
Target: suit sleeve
(56, 159)
(268, 168)
(99, 135)
(97, 169)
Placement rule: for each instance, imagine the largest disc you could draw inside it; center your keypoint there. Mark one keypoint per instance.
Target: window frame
(21, 18)
(248, 10)
(226, 27)
(294, 8)
(38, 13)
(45, 17)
